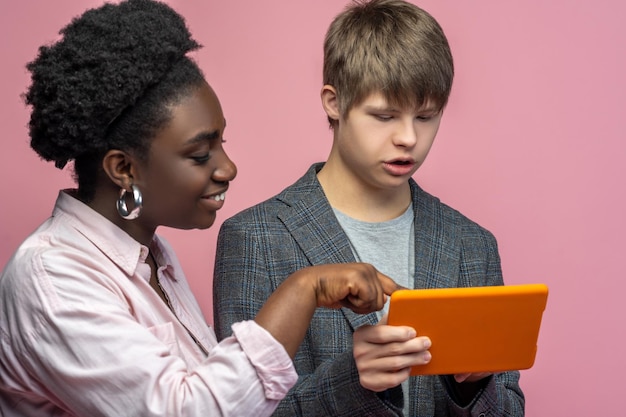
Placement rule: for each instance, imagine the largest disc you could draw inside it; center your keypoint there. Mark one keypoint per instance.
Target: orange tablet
(475, 329)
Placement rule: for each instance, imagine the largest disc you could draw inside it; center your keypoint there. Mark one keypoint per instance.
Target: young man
(388, 72)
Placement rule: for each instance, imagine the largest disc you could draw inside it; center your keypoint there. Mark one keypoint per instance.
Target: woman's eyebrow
(204, 137)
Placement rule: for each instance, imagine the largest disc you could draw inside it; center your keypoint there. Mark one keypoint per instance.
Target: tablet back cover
(474, 329)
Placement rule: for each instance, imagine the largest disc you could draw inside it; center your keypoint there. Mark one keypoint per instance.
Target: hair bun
(105, 61)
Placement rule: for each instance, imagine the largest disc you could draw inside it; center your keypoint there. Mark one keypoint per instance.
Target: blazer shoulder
(304, 191)
(432, 207)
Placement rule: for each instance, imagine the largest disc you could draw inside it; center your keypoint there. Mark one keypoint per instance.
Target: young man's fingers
(381, 333)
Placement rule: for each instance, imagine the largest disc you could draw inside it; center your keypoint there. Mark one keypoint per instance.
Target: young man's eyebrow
(430, 109)
(380, 107)
(426, 108)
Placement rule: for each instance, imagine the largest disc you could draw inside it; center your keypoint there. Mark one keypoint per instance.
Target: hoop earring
(137, 199)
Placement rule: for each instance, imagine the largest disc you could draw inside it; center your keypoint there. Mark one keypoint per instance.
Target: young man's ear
(330, 102)
(118, 166)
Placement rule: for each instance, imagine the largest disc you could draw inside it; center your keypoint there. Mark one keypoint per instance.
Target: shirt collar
(163, 254)
(115, 243)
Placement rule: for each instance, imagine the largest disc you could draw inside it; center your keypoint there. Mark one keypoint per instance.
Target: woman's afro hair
(105, 61)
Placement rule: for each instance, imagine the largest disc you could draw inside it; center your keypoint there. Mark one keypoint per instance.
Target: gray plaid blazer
(259, 247)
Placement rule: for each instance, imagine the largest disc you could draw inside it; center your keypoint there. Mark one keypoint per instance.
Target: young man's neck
(355, 199)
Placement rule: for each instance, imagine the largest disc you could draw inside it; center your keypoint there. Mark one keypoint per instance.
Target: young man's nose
(406, 134)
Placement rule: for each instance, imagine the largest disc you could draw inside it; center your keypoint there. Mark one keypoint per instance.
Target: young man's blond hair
(388, 46)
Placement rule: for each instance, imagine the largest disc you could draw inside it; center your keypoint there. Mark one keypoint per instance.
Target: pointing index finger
(389, 285)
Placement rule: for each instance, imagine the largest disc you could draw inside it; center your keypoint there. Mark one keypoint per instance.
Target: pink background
(531, 146)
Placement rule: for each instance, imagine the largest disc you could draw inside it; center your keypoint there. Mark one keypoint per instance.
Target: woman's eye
(200, 158)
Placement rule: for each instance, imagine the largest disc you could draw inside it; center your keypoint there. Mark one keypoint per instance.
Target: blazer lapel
(310, 220)
(437, 242)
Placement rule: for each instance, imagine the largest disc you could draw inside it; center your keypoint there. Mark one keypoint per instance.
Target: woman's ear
(118, 166)
(330, 102)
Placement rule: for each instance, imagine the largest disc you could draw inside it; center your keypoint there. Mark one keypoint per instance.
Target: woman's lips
(214, 201)
(217, 197)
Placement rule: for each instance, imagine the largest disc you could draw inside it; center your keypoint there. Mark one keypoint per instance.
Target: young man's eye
(383, 117)
(427, 116)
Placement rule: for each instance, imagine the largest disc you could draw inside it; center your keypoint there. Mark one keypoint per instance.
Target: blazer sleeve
(240, 282)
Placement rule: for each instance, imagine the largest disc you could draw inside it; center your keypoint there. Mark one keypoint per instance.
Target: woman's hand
(287, 313)
(357, 286)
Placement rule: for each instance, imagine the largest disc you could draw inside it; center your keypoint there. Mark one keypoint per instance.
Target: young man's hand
(385, 354)
(471, 377)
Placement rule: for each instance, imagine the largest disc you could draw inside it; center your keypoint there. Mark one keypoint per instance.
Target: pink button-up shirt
(82, 333)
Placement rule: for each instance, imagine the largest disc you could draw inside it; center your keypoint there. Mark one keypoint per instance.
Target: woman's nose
(226, 169)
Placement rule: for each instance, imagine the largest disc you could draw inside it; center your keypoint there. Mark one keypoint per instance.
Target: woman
(97, 318)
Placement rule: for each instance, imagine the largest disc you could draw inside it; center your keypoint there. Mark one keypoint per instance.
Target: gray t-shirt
(389, 245)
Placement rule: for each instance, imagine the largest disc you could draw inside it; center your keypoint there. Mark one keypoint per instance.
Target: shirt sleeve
(273, 365)
(79, 347)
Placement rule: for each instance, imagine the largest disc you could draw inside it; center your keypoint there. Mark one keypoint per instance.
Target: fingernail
(427, 357)
(412, 334)
(427, 343)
